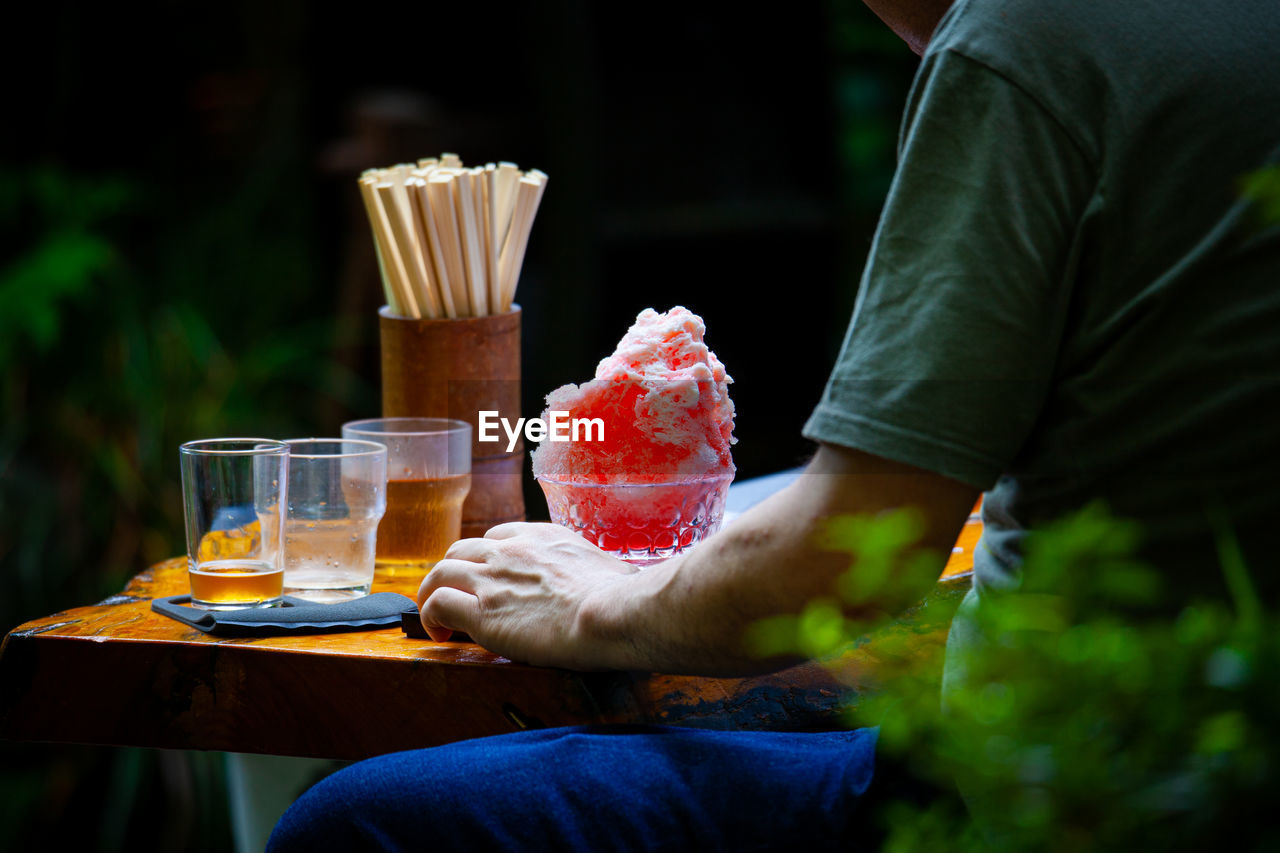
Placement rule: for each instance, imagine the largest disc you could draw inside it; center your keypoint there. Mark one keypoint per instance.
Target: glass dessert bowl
(642, 523)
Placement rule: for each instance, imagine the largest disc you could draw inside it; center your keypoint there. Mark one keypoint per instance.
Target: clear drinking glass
(337, 496)
(429, 476)
(233, 493)
(642, 523)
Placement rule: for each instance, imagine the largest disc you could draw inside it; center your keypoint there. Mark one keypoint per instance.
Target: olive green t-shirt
(1067, 297)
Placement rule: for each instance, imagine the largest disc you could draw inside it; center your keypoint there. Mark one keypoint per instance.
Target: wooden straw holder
(456, 369)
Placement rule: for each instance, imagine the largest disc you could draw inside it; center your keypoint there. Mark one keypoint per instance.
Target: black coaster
(297, 616)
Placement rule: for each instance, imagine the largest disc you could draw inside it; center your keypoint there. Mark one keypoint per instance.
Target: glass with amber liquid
(233, 492)
(428, 478)
(235, 583)
(423, 519)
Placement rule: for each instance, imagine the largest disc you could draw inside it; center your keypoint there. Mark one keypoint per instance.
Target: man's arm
(539, 593)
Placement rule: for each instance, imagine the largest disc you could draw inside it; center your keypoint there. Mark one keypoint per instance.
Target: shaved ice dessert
(656, 482)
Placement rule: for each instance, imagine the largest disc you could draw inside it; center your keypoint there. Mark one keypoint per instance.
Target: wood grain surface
(118, 673)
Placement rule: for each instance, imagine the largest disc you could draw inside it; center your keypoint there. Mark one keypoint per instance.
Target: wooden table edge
(252, 695)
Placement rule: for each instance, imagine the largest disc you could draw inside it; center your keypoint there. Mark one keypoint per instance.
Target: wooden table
(116, 673)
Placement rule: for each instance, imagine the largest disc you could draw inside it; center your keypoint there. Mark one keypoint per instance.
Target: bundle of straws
(451, 240)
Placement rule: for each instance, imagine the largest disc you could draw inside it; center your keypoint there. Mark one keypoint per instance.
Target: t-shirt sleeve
(954, 336)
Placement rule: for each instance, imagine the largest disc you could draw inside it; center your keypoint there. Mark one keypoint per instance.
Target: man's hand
(521, 591)
(542, 594)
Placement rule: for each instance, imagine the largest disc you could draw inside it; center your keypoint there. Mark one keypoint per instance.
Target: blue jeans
(597, 788)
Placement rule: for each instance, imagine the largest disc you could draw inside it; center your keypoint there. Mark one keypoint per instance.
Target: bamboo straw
(471, 183)
(440, 196)
(422, 212)
(506, 178)
(475, 180)
(450, 240)
(409, 253)
(492, 279)
(403, 302)
(417, 234)
(541, 176)
(464, 199)
(393, 300)
(528, 192)
(542, 187)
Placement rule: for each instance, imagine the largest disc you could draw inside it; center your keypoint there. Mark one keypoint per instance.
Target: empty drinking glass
(337, 495)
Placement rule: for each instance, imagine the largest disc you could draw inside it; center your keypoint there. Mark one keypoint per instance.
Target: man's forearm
(691, 613)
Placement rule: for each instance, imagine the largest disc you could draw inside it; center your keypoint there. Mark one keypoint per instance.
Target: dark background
(185, 256)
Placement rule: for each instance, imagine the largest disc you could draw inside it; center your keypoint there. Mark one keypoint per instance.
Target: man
(1066, 299)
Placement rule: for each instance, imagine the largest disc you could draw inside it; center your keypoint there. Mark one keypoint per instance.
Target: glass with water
(337, 496)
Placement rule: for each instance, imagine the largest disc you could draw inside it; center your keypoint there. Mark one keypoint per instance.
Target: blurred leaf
(1228, 668)
(1263, 189)
(33, 288)
(1084, 719)
(877, 545)
(822, 628)
(773, 637)
(1248, 606)
(1225, 732)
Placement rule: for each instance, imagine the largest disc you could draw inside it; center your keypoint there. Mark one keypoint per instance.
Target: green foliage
(124, 331)
(872, 71)
(1263, 189)
(103, 373)
(1083, 711)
